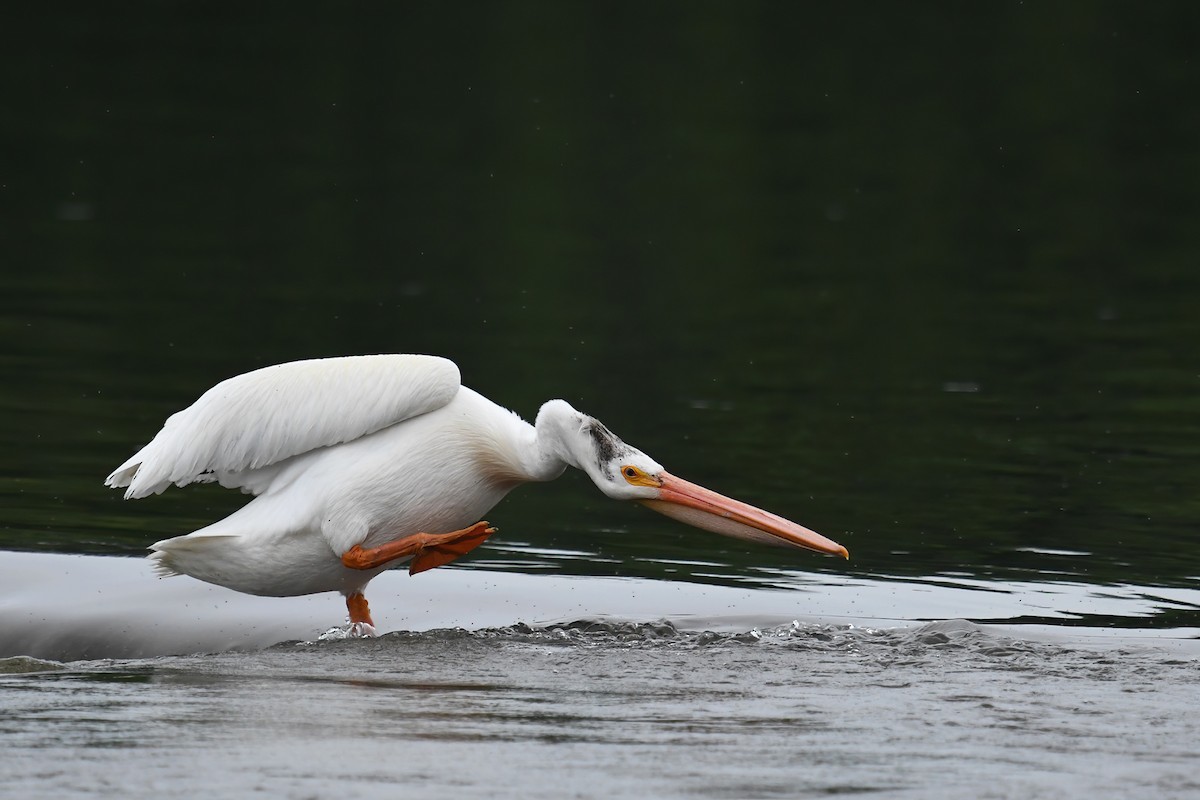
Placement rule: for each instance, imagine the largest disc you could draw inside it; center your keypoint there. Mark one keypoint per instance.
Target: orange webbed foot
(428, 550)
(447, 547)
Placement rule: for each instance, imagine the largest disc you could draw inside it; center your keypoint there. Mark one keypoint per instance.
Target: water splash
(20, 665)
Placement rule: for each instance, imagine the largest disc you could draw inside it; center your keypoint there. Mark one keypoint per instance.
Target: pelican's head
(625, 473)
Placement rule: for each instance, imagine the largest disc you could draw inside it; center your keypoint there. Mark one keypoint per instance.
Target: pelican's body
(315, 506)
(354, 459)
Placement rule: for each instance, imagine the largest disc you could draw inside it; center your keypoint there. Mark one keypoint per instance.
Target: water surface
(694, 703)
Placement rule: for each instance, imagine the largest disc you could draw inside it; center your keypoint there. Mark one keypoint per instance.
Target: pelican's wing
(262, 417)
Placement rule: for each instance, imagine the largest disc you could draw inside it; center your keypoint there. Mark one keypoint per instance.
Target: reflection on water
(87, 607)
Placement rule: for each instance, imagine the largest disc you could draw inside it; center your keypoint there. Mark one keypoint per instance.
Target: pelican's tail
(160, 562)
(263, 548)
(276, 564)
(212, 558)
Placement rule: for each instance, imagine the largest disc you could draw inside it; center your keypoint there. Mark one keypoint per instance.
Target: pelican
(361, 463)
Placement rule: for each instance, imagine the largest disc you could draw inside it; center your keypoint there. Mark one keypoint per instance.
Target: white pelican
(360, 463)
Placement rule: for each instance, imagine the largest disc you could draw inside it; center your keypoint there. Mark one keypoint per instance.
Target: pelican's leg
(428, 550)
(360, 612)
(361, 624)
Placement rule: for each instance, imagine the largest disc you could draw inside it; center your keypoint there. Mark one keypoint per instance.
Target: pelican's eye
(637, 477)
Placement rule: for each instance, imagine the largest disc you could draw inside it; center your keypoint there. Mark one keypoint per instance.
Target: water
(612, 710)
(692, 703)
(510, 684)
(922, 281)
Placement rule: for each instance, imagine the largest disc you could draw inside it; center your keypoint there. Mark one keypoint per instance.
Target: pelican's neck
(559, 441)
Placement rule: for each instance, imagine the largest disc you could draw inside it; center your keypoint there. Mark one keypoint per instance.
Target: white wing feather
(262, 417)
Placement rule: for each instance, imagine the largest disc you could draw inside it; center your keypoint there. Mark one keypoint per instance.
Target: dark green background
(923, 277)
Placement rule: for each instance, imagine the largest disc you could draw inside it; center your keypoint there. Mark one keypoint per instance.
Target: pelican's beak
(710, 511)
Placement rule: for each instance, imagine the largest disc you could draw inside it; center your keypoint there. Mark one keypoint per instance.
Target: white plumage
(362, 462)
(262, 417)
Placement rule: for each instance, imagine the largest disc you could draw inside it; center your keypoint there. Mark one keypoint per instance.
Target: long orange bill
(701, 508)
